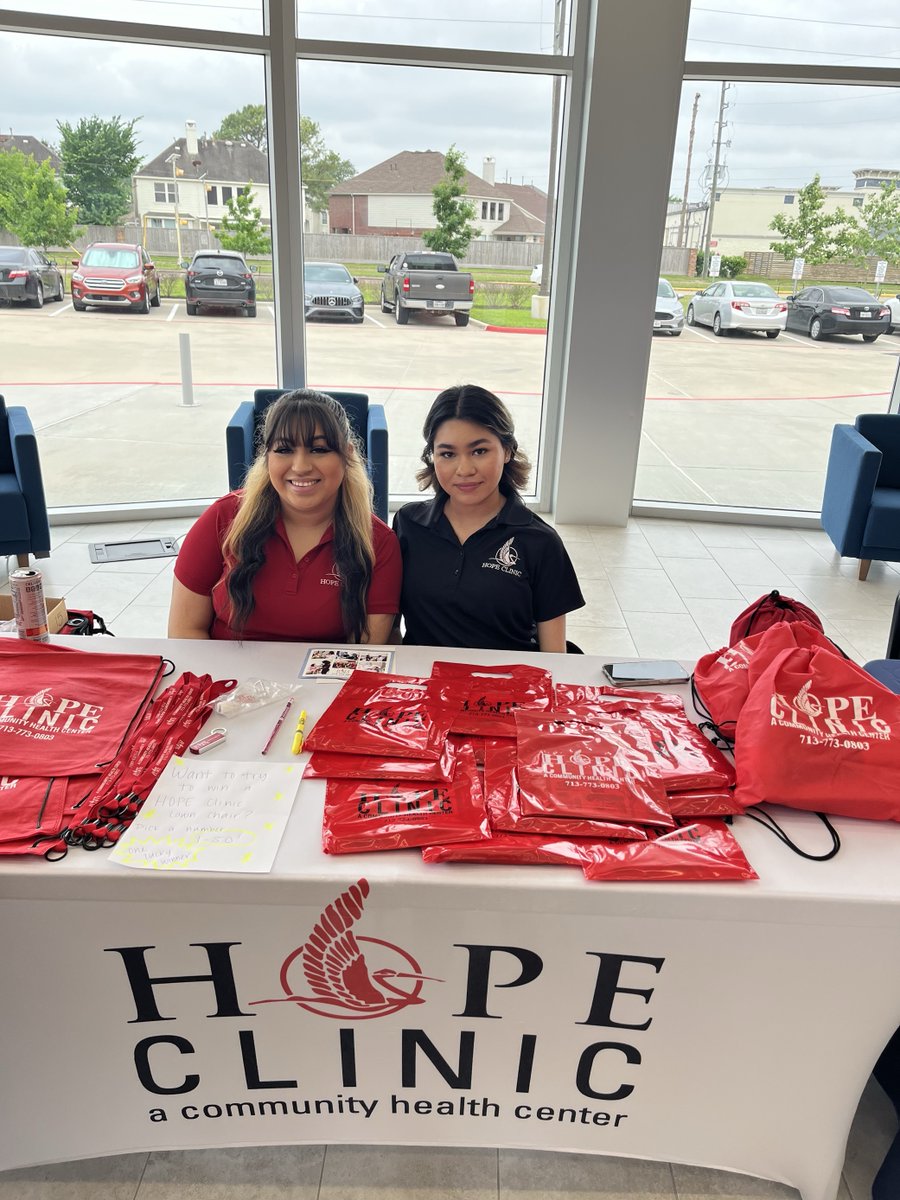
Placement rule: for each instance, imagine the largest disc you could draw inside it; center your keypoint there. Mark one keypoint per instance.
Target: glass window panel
(233, 16)
(104, 385)
(739, 409)
(394, 154)
(789, 31)
(532, 27)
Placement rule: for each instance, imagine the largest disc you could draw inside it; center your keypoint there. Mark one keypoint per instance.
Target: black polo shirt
(488, 592)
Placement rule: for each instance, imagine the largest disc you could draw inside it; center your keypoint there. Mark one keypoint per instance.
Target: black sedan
(219, 279)
(29, 277)
(821, 311)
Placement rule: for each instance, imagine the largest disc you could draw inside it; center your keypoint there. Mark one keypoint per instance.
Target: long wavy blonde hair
(296, 418)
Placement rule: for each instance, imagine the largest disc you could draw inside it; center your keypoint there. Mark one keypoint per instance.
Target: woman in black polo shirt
(479, 568)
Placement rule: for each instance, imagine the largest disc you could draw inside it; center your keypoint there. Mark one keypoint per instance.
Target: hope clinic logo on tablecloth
(335, 963)
(513, 1023)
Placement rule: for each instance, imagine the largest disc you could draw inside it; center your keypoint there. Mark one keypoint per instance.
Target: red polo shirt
(293, 601)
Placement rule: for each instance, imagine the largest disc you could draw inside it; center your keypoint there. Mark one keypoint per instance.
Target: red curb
(512, 329)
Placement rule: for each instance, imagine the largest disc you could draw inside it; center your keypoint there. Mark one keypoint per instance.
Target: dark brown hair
(469, 402)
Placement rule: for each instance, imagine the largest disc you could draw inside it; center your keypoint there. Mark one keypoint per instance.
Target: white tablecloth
(727, 1025)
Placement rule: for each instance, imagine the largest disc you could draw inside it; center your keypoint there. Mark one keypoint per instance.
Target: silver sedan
(732, 304)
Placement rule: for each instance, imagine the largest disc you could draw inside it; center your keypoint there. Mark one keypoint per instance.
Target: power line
(726, 12)
(789, 49)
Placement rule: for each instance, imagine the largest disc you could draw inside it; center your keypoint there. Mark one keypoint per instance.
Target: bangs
(299, 422)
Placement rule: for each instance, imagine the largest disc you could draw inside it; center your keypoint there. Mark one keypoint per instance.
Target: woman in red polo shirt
(297, 554)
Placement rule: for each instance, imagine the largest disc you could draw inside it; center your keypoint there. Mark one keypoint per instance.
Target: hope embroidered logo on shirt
(504, 560)
(332, 579)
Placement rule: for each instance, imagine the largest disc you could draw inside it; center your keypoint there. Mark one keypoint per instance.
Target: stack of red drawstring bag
(82, 741)
(495, 764)
(811, 729)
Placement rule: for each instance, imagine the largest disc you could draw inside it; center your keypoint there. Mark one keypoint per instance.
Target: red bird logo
(338, 978)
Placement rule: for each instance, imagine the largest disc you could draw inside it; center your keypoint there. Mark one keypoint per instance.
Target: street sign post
(715, 265)
(797, 271)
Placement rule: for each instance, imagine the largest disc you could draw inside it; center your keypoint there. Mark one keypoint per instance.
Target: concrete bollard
(187, 378)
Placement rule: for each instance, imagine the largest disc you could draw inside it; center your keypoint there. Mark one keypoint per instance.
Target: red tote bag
(817, 732)
(492, 695)
(701, 851)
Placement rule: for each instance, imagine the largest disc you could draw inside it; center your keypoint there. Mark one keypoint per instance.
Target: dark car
(329, 290)
(219, 278)
(821, 311)
(29, 277)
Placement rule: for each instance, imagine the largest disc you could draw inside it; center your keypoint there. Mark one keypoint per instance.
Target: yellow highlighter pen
(297, 744)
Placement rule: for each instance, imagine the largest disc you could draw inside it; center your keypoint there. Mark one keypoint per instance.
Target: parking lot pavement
(735, 420)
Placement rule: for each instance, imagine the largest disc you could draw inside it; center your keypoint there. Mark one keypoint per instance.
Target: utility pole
(687, 171)
(176, 171)
(720, 124)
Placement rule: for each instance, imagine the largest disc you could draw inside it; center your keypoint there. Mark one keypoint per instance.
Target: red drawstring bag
(324, 764)
(510, 848)
(702, 850)
(29, 807)
(818, 733)
(65, 712)
(720, 680)
(363, 815)
(491, 695)
(501, 795)
(771, 609)
(568, 768)
(391, 716)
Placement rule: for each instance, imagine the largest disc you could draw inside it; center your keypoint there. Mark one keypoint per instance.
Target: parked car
(537, 273)
(734, 304)
(219, 279)
(821, 311)
(115, 275)
(894, 309)
(426, 280)
(669, 315)
(329, 290)
(29, 277)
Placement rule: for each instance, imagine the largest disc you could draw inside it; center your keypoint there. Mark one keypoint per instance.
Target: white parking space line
(804, 342)
(674, 465)
(706, 337)
(172, 311)
(271, 308)
(369, 317)
(668, 384)
(62, 308)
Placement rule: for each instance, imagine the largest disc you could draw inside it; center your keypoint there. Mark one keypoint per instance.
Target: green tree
(99, 158)
(321, 169)
(878, 225)
(248, 124)
(814, 235)
(242, 228)
(33, 202)
(451, 211)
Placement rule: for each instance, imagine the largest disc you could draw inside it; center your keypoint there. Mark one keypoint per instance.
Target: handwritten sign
(216, 816)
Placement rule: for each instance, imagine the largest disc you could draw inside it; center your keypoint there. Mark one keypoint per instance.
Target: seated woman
(296, 554)
(479, 568)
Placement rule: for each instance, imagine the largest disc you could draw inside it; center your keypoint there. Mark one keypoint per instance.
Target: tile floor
(655, 588)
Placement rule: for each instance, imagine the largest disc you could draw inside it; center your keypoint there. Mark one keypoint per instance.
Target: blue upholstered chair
(24, 528)
(366, 420)
(861, 505)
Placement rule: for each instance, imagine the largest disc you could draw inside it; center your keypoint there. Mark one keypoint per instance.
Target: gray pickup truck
(427, 281)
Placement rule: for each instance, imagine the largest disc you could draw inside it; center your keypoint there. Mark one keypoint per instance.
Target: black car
(219, 278)
(821, 311)
(329, 290)
(29, 277)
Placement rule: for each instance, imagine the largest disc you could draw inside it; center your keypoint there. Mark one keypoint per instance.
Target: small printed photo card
(339, 662)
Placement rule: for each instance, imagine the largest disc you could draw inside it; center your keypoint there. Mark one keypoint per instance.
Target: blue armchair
(24, 528)
(366, 420)
(861, 505)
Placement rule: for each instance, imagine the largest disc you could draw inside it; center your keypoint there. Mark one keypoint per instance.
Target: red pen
(278, 725)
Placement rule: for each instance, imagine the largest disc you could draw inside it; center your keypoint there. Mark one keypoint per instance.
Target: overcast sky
(778, 136)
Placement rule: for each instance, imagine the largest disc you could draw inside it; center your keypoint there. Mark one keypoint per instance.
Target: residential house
(396, 197)
(30, 145)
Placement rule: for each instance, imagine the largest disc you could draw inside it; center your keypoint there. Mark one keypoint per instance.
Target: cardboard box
(57, 613)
